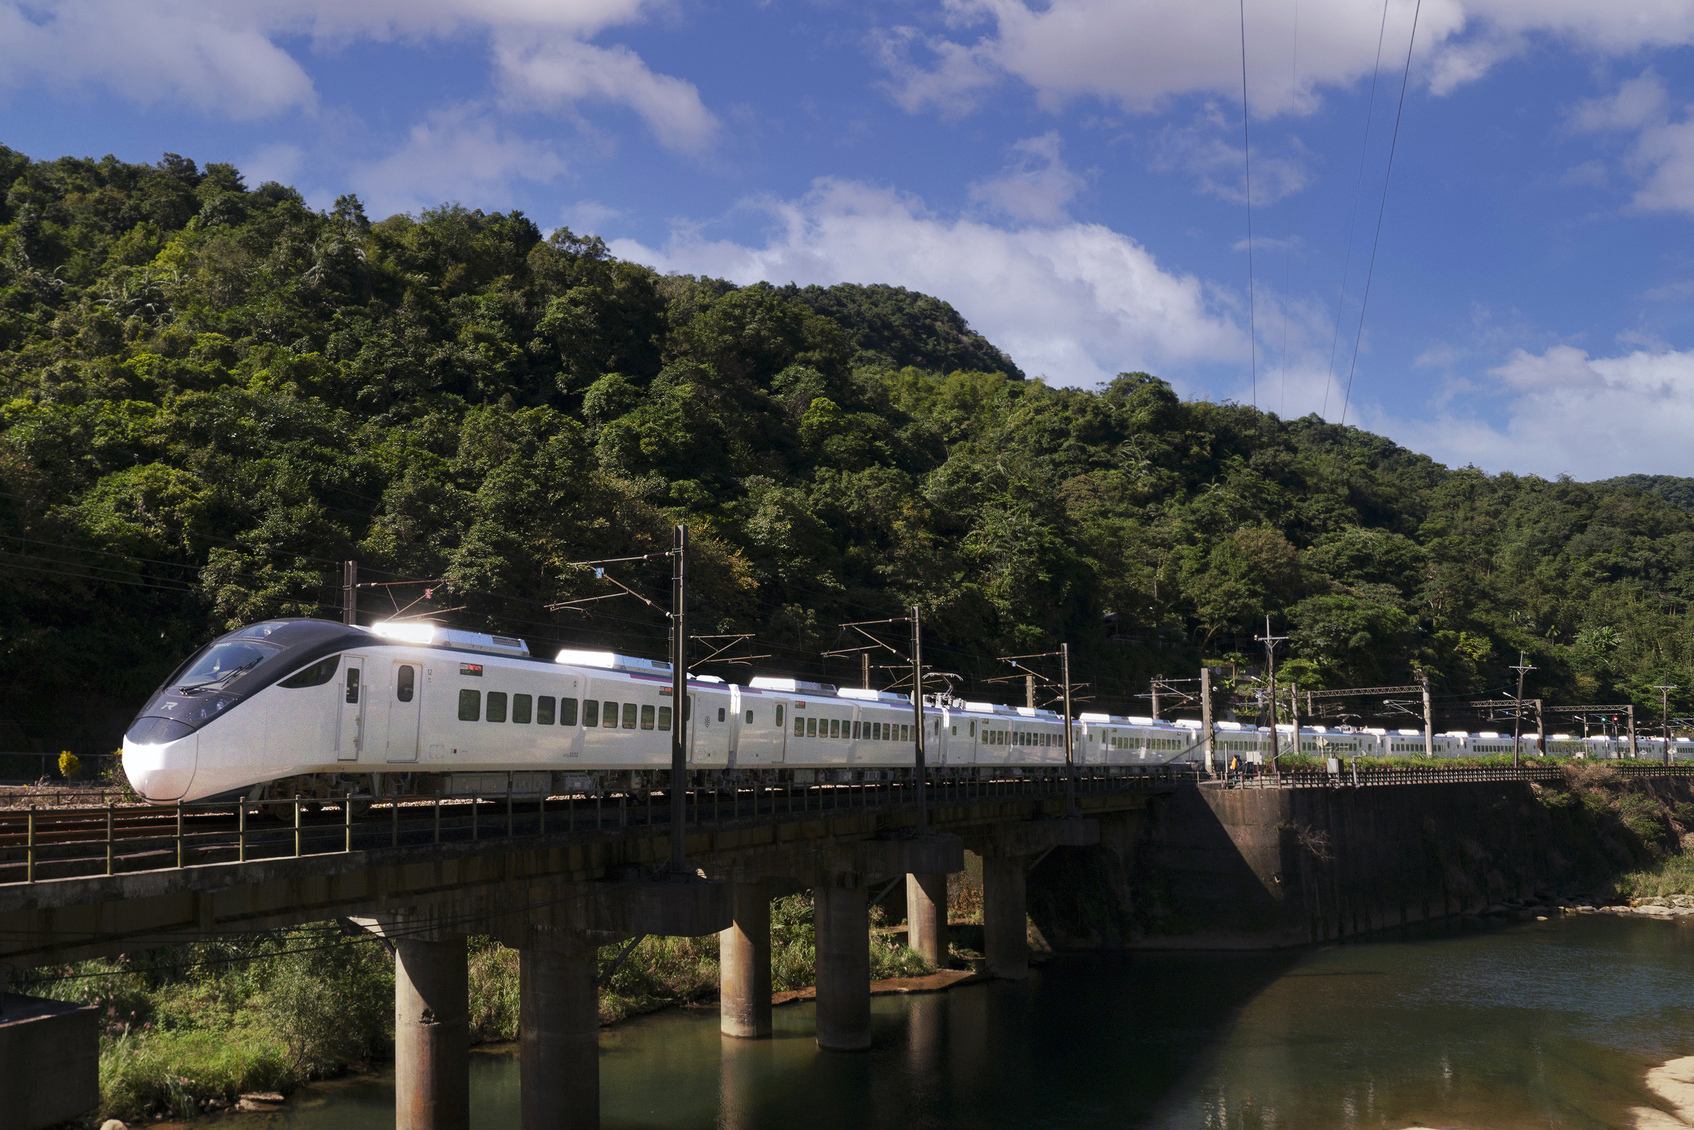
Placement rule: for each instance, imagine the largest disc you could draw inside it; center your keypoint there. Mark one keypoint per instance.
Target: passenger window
(749, 717)
(905, 733)
(496, 706)
(629, 715)
(470, 706)
(609, 715)
(316, 675)
(405, 683)
(799, 726)
(521, 704)
(590, 711)
(720, 714)
(835, 727)
(665, 719)
(953, 731)
(352, 684)
(544, 710)
(779, 716)
(812, 728)
(646, 717)
(973, 729)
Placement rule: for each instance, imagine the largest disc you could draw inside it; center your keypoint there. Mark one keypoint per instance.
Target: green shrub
(331, 1004)
(493, 991)
(171, 1073)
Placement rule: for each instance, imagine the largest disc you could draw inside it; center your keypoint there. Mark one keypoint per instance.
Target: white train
(310, 707)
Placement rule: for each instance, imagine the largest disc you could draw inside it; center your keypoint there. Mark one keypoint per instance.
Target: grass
(1672, 876)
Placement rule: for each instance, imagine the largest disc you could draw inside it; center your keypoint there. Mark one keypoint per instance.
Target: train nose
(158, 761)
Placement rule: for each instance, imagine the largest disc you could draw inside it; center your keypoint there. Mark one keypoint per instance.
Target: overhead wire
(1247, 181)
(1364, 300)
(1358, 196)
(1288, 274)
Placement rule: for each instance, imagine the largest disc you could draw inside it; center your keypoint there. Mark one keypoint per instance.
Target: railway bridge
(555, 878)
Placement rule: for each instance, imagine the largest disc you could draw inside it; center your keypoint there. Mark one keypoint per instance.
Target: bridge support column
(744, 965)
(558, 1038)
(431, 1034)
(1005, 933)
(844, 967)
(926, 916)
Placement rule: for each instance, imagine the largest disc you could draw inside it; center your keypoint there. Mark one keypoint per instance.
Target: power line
(1364, 299)
(1358, 197)
(1247, 164)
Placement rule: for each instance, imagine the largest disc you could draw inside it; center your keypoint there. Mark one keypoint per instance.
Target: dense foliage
(213, 395)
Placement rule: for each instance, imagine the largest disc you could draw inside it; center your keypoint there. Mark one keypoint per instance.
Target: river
(1534, 1024)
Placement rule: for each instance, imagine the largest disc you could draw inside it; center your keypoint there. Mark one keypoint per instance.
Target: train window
(973, 728)
(876, 731)
(905, 733)
(590, 711)
(646, 717)
(812, 728)
(496, 706)
(521, 704)
(544, 710)
(749, 717)
(779, 716)
(316, 675)
(470, 706)
(720, 714)
(405, 683)
(799, 727)
(629, 715)
(853, 731)
(953, 730)
(835, 727)
(352, 684)
(608, 715)
(665, 719)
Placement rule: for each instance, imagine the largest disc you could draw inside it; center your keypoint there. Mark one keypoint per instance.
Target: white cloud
(1663, 154)
(209, 57)
(1074, 302)
(226, 59)
(1218, 166)
(1569, 413)
(560, 71)
(1141, 53)
(1038, 186)
(457, 155)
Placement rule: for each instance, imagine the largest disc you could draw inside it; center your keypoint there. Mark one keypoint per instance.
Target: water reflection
(1546, 1024)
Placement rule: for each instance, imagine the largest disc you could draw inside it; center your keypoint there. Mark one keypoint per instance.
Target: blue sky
(1069, 174)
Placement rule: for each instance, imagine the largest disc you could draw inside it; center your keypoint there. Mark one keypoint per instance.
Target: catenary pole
(917, 717)
(350, 594)
(1070, 756)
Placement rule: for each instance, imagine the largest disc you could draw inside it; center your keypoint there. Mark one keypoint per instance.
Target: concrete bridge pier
(926, 916)
(842, 918)
(744, 963)
(431, 1033)
(1005, 936)
(559, 1036)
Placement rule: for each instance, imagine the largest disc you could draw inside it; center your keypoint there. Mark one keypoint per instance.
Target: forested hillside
(214, 394)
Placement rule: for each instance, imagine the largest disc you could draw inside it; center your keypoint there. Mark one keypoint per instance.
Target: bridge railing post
(347, 821)
(297, 825)
(179, 835)
(438, 818)
(240, 837)
(29, 857)
(110, 828)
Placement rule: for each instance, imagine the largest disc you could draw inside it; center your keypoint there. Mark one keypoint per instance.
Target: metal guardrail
(38, 844)
(1352, 776)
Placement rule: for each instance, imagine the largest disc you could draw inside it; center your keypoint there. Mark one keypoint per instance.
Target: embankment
(1209, 867)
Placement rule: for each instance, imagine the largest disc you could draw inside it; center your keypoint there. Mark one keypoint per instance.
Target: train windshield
(223, 660)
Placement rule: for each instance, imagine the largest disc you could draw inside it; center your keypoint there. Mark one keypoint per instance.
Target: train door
(403, 709)
(350, 739)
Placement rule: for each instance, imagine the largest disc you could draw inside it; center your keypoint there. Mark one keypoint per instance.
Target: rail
(46, 843)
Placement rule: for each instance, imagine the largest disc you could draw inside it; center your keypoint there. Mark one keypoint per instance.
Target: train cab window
(352, 684)
(609, 715)
(316, 675)
(405, 683)
(590, 711)
(749, 717)
(665, 719)
(521, 708)
(647, 717)
(779, 716)
(799, 727)
(544, 710)
(720, 714)
(629, 715)
(812, 728)
(496, 706)
(470, 705)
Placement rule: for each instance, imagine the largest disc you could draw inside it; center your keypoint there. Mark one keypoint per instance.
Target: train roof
(434, 635)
